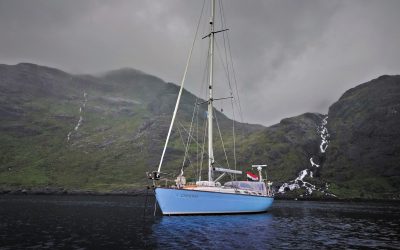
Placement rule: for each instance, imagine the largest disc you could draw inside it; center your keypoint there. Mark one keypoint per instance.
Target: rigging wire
(222, 141)
(189, 137)
(222, 16)
(183, 143)
(231, 62)
(227, 65)
(180, 90)
(205, 130)
(184, 129)
(236, 87)
(197, 146)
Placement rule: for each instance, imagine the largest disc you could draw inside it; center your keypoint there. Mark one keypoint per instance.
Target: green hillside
(125, 118)
(102, 133)
(364, 153)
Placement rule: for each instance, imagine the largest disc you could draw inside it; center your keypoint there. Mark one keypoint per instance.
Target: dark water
(117, 222)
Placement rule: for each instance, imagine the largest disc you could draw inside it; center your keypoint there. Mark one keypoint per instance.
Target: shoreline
(64, 191)
(338, 199)
(144, 192)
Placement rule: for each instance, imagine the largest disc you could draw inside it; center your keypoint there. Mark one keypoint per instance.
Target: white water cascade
(81, 110)
(299, 182)
(323, 131)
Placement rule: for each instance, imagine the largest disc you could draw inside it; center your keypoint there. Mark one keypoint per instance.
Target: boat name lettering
(189, 196)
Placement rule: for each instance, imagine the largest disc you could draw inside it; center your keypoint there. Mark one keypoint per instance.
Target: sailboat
(210, 196)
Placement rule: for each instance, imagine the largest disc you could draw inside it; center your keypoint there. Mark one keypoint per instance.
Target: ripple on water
(82, 222)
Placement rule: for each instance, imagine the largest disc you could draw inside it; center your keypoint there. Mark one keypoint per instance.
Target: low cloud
(290, 56)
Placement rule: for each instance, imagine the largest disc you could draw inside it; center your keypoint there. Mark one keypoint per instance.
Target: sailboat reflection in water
(210, 197)
(216, 232)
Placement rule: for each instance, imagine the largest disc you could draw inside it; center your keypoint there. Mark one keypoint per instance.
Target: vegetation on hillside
(102, 133)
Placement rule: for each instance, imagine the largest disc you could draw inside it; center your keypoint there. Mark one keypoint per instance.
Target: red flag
(251, 176)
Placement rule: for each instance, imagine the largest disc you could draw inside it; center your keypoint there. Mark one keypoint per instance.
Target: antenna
(259, 168)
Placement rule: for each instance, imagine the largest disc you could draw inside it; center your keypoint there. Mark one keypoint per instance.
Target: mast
(210, 99)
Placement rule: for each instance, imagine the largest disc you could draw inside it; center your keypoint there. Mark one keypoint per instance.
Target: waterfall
(299, 182)
(81, 110)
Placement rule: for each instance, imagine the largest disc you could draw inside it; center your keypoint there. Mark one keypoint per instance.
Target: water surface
(120, 222)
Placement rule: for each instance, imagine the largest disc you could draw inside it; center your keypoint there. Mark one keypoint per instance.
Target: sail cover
(247, 185)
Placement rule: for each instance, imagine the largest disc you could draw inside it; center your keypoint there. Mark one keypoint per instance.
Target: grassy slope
(124, 125)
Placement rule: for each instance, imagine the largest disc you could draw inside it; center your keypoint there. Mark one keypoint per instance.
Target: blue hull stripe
(181, 201)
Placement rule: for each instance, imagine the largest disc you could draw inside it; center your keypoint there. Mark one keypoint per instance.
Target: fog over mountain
(290, 56)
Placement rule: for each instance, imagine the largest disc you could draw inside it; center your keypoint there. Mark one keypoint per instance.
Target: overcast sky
(290, 57)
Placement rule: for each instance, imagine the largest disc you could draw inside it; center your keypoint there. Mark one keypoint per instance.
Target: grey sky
(290, 56)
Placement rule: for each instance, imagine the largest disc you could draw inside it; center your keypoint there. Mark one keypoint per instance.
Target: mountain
(357, 154)
(103, 132)
(286, 146)
(364, 151)
(88, 132)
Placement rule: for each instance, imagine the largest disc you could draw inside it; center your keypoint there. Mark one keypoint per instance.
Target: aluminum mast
(210, 99)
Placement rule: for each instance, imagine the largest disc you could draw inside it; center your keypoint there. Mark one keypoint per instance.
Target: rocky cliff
(363, 157)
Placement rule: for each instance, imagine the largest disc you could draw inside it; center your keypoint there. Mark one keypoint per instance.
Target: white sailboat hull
(183, 201)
